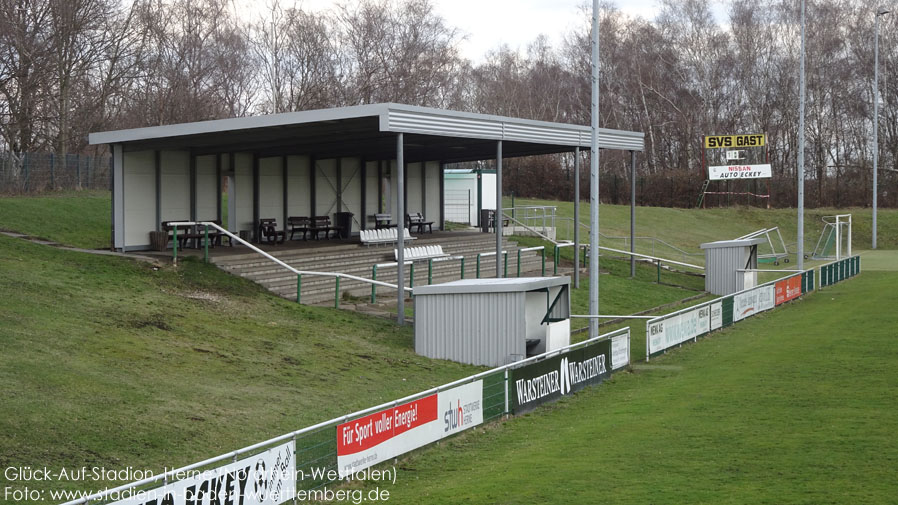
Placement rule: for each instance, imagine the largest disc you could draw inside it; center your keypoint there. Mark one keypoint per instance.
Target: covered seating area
(305, 173)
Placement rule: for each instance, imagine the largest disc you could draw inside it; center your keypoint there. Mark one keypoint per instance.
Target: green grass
(113, 362)
(687, 228)
(80, 219)
(798, 405)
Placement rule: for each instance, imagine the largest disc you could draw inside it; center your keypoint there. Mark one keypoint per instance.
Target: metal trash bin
(343, 223)
(486, 216)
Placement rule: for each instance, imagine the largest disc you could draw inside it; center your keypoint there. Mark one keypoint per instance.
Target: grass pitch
(798, 405)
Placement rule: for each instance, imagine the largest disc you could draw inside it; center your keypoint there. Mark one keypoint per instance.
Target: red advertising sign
(788, 289)
(369, 431)
(385, 434)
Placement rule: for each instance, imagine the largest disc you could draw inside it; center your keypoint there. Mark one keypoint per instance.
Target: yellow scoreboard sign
(724, 141)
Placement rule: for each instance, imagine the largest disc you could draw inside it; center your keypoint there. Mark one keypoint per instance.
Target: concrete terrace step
(355, 259)
(344, 264)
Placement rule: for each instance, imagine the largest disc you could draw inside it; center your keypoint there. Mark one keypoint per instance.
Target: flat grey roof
(506, 285)
(370, 130)
(734, 243)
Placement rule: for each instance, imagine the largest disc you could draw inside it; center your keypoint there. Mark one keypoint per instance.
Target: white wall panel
(413, 188)
(271, 189)
(325, 187)
(175, 166)
(432, 178)
(139, 190)
(351, 180)
(299, 187)
(243, 187)
(207, 188)
(371, 192)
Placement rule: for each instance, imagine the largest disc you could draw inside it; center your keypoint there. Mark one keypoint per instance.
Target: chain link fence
(31, 173)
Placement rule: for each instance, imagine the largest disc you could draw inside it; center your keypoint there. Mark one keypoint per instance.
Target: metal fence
(24, 173)
(316, 448)
(686, 325)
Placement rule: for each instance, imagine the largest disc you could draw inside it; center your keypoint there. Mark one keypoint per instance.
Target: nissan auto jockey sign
(377, 437)
(563, 374)
(264, 479)
(727, 172)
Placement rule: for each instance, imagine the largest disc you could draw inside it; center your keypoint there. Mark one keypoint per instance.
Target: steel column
(400, 228)
(498, 215)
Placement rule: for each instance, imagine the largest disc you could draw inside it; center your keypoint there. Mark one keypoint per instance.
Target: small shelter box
(726, 262)
(492, 322)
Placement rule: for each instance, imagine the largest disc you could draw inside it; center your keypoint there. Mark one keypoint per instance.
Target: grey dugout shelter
(730, 265)
(354, 159)
(492, 322)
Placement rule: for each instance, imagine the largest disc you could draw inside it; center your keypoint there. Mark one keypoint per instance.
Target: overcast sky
(489, 23)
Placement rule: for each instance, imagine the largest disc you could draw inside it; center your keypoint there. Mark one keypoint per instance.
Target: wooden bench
(185, 233)
(268, 230)
(299, 223)
(416, 221)
(382, 221)
(383, 236)
(321, 224)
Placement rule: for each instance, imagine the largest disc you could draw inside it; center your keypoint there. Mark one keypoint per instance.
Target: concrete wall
(139, 195)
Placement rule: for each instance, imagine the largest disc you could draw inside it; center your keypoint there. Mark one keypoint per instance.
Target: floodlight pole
(576, 217)
(880, 12)
(800, 170)
(400, 228)
(633, 213)
(594, 179)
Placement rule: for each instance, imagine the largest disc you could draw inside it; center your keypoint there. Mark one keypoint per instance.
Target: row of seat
(421, 253)
(382, 236)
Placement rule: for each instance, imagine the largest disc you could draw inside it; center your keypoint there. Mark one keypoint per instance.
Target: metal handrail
(233, 454)
(281, 263)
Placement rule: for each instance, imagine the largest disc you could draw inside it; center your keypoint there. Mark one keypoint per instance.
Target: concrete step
(341, 264)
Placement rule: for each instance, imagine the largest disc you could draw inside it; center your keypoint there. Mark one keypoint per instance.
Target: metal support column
(400, 228)
(633, 213)
(498, 215)
(800, 169)
(576, 218)
(594, 179)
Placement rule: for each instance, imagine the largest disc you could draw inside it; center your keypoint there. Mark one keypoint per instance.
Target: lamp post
(879, 13)
(800, 169)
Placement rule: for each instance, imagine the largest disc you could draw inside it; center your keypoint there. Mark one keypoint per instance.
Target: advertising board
(267, 478)
(751, 302)
(727, 172)
(565, 373)
(679, 328)
(385, 434)
(788, 289)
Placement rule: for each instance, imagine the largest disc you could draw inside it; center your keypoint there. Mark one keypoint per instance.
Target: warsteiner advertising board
(566, 373)
(728, 172)
(388, 433)
(267, 478)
